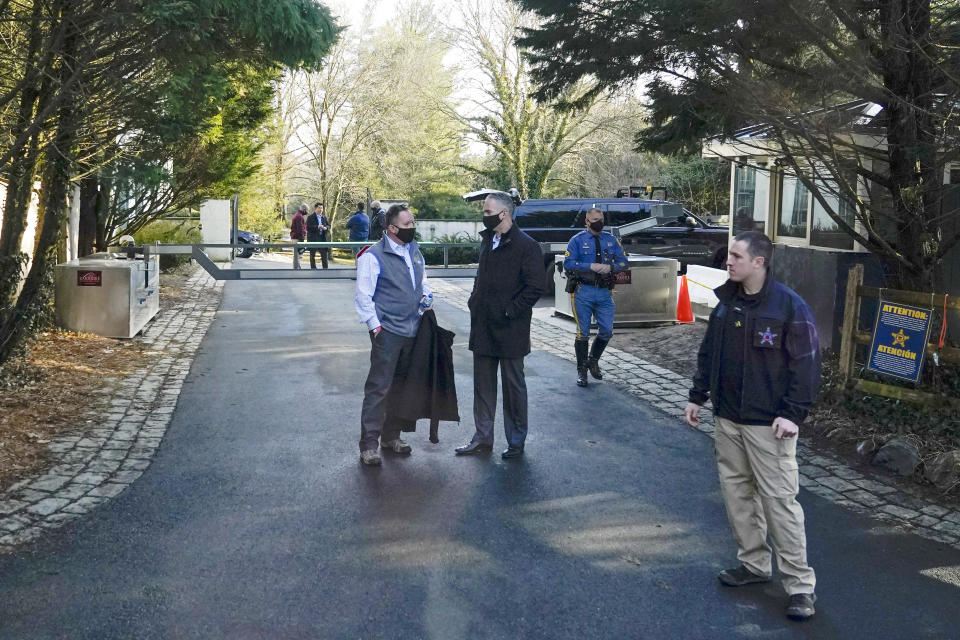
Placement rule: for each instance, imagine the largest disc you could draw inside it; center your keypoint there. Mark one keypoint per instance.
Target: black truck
(672, 232)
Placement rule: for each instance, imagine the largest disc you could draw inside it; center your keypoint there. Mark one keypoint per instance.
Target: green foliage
(456, 255)
(443, 206)
(702, 185)
(257, 213)
(170, 232)
(804, 73)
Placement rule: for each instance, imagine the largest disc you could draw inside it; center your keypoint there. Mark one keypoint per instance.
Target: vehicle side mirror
(691, 222)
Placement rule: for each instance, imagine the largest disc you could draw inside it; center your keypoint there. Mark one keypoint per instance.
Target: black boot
(593, 362)
(580, 347)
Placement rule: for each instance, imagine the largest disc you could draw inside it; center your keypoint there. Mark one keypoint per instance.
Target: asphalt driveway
(256, 520)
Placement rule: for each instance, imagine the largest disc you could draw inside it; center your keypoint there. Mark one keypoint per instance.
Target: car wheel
(245, 252)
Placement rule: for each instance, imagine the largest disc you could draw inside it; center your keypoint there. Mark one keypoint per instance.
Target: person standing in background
(317, 227)
(359, 227)
(298, 232)
(378, 220)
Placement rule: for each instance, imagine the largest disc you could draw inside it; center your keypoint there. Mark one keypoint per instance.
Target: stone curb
(91, 466)
(820, 474)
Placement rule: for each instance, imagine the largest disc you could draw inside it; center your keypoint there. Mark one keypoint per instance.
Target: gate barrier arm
(198, 253)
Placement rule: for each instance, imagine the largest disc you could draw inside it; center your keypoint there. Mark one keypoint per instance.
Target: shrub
(457, 255)
(170, 231)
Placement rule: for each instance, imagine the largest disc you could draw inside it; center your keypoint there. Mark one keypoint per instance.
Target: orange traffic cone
(684, 310)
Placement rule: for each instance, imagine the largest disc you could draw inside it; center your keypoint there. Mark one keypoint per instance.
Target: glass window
(953, 176)
(825, 232)
(750, 188)
(794, 204)
(618, 214)
(547, 215)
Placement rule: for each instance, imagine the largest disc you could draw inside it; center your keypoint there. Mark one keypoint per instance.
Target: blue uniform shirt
(582, 252)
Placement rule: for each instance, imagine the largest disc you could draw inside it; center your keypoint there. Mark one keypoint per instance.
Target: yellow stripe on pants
(573, 305)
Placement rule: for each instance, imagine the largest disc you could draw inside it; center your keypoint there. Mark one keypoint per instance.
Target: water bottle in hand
(426, 302)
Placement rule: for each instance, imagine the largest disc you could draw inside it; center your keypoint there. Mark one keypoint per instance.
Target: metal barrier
(196, 251)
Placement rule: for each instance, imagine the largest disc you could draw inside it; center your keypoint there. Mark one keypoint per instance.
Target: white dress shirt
(368, 271)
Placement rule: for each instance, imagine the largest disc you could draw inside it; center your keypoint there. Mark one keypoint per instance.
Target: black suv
(673, 231)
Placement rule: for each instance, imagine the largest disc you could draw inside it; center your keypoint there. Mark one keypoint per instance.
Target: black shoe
(740, 576)
(512, 452)
(593, 362)
(800, 606)
(580, 348)
(473, 448)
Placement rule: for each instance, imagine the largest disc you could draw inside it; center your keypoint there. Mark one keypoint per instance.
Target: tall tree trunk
(20, 175)
(87, 231)
(33, 299)
(916, 177)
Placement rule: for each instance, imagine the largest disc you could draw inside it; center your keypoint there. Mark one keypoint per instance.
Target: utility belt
(599, 280)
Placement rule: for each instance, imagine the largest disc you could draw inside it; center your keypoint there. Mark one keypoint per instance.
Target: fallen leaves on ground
(49, 390)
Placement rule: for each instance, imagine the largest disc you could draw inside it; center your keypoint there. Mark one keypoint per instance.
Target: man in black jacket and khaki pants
(509, 282)
(760, 366)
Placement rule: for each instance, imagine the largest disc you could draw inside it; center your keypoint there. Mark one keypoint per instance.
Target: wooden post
(851, 317)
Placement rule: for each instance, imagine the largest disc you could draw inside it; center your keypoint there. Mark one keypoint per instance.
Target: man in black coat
(509, 282)
(317, 226)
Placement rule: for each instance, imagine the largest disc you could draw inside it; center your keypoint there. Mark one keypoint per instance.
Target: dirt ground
(61, 371)
(672, 347)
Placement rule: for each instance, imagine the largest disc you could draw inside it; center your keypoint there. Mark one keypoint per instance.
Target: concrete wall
(461, 229)
(215, 226)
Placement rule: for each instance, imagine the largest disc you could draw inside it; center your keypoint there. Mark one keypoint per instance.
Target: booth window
(825, 232)
(794, 205)
(749, 199)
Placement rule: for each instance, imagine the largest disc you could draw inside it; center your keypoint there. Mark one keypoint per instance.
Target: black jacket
(781, 364)
(428, 390)
(509, 282)
(314, 234)
(378, 224)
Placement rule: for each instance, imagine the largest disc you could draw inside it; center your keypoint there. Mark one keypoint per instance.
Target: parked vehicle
(250, 240)
(676, 233)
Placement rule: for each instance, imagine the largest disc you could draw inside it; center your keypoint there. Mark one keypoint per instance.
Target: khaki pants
(296, 255)
(759, 480)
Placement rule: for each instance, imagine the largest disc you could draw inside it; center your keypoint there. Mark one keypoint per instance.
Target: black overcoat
(510, 280)
(426, 388)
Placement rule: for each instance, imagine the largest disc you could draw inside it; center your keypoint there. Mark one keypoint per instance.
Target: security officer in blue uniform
(592, 260)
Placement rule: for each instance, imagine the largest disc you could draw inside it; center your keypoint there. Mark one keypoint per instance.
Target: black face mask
(406, 235)
(597, 225)
(490, 222)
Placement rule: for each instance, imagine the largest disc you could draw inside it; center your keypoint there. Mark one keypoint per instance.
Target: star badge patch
(766, 337)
